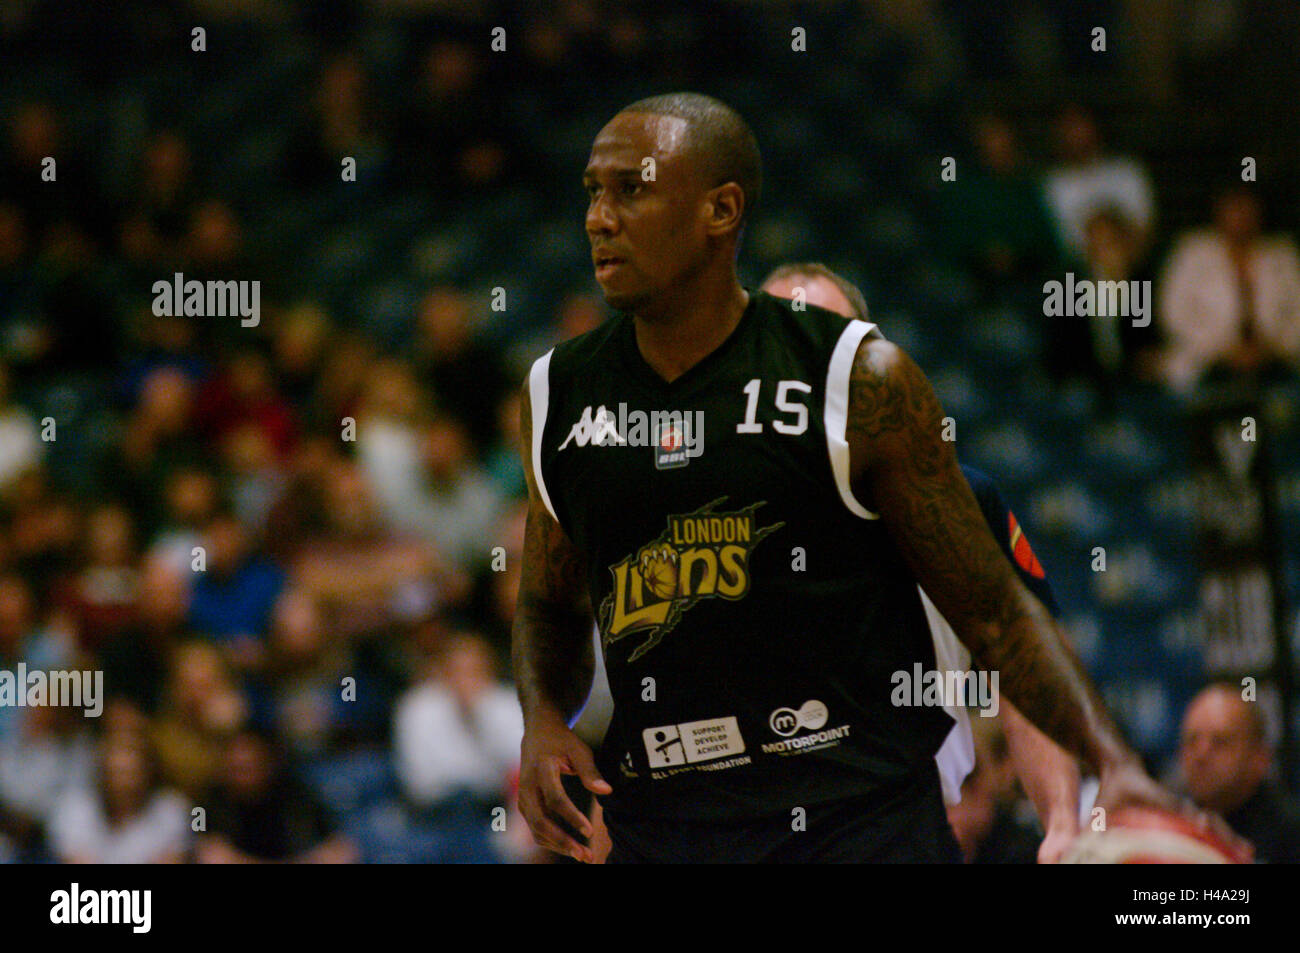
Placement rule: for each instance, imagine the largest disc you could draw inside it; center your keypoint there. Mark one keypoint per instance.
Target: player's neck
(678, 334)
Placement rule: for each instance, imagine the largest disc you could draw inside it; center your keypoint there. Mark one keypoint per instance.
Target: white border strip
(539, 394)
(956, 756)
(836, 416)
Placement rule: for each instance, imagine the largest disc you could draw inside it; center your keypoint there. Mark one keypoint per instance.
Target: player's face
(646, 233)
(818, 291)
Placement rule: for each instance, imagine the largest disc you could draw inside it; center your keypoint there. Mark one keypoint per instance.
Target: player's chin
(621, 299)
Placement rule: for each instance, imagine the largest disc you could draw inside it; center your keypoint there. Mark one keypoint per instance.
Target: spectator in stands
(259, 812)
(357, 569)
(453, 135)
(996, 220)
(1226, 760)
(50, 754)
(128, 818)
(1229, 299)
(1103, 348)
(20, 445)
(341, 385)
(313, 708)
(162, 202)
(244, 394)
(392, 412)
(22, 639)
(1087, 179)
(341, 122)
(301, 338)
(44, 533)
(578, 312)
(37, 135)
(99, 600)
(202, 707)
(162, 341)
(456, 733)
(457, 505)
(233, 597)
(158, 437)
(18, 285)
(135, 661)
(191, 497)
(466, 374)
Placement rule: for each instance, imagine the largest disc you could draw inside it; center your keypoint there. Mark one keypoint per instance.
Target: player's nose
(600, 218)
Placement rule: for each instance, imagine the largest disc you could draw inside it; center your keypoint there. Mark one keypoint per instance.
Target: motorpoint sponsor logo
(788, 722)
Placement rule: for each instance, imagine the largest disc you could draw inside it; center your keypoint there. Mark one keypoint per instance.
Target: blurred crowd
(293, 549)
(1224, 298)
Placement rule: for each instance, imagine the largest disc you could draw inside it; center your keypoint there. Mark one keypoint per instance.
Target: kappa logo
(701, 555)
(599, 431)
(676, 435)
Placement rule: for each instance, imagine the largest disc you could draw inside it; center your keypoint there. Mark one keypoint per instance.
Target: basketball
(659, 570)
(1152, 836)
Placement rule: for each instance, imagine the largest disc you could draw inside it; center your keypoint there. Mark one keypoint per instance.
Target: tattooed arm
(553, 667)
(552, 654)
(904, 470)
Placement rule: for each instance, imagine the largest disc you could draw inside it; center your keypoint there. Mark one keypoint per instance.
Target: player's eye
(631, 187)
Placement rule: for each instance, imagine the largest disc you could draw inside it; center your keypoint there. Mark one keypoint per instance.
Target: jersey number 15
(783, 404)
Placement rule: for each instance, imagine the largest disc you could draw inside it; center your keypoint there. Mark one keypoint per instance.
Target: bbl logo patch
(670, 447)
(701, 555)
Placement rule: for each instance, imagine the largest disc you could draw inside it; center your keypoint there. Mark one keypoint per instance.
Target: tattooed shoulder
(890, 402)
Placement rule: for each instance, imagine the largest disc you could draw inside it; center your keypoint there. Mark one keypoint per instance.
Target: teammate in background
(754, 598)
(1049, 775)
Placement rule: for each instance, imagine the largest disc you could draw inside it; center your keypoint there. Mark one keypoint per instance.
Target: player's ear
(724, 208)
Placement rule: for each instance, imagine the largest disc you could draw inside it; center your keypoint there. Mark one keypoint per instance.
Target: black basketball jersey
(752, 612)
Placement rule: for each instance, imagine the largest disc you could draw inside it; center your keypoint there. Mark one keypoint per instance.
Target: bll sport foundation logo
(701, 555)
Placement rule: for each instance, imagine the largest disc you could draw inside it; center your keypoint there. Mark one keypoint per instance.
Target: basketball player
(1049, 775)
(762, 555)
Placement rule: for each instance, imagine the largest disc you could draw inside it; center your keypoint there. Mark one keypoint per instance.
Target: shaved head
(717, 139)
(1223, 750)
(822, 287)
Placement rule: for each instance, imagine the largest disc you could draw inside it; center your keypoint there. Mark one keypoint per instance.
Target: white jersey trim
(956, 756)
(539, 394)
(836, 416)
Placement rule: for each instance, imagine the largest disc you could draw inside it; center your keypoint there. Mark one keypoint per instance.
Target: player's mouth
(606, 264)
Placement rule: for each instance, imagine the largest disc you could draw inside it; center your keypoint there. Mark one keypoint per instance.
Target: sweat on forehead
(630, 137)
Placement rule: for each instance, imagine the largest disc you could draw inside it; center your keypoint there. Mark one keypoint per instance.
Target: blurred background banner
(1242, 598)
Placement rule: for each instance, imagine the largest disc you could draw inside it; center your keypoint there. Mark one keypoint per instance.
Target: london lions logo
(701, 555)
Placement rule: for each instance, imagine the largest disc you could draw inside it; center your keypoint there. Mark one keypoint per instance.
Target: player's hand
(1060, 834)
(1127, 784)
(550, 750)
(599, 841)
